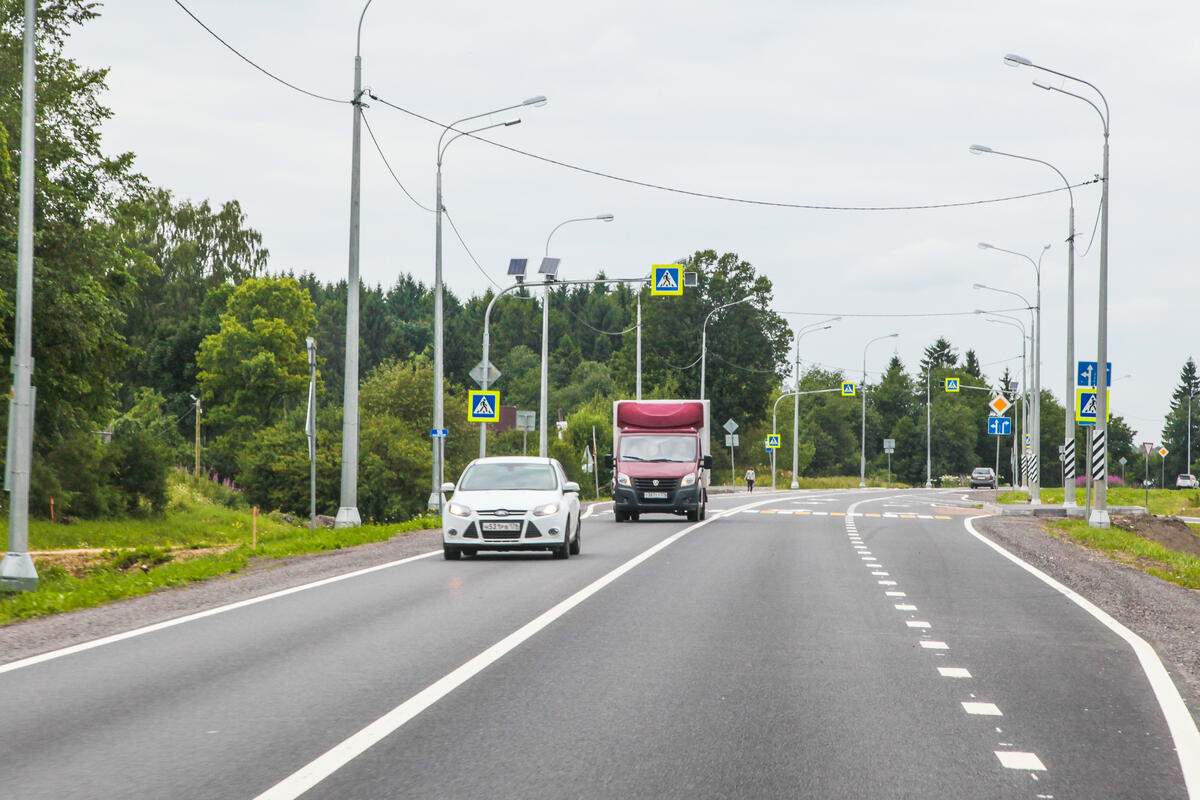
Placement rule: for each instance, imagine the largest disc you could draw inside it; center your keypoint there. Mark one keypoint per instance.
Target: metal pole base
(17, 573)
(347, 518)
(1069, 497)
(435, 501)
(862, 484)
(1099, 518)
(928, 484)
(795, 483)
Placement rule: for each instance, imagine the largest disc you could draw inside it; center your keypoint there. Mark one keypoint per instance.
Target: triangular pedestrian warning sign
(666, 281)
(1089, 407)
(483, 406)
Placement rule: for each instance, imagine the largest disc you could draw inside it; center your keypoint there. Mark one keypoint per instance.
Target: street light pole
(862, 462)
(807, 329)
(1099, 516)
(347, 514)
(1013, 322)
(1068, 466)
(544, 391)
(704, 337)
(928, 431)
(17, 572)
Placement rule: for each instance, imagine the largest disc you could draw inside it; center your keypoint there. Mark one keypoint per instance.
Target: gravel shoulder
(23, 639)
(1165, 615)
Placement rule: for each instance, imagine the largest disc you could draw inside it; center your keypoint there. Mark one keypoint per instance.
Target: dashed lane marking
(880, 574)
(1014, 759)
(895, 594)
(905, 606)
(887, 583)
(932, 645)
(953, 672)
(982, 709)
(917, 623)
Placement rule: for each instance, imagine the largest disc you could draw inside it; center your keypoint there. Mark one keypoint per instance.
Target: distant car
(512, 503)
(1187, 482)
(983, 478)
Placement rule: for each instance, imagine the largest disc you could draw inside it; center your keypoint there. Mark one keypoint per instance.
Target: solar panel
(516, 266)
(549, 267)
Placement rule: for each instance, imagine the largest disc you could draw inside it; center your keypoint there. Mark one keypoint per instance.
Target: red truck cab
(660, 458)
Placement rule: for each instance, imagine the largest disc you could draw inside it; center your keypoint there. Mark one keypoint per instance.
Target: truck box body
(659, 448)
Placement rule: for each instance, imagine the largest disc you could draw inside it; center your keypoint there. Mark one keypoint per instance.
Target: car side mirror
(706, 462)
(447, 487)
(571, 486)
(608, 461)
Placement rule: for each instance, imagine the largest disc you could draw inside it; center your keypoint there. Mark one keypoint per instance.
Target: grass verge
(1164, 502)
(1170, 565)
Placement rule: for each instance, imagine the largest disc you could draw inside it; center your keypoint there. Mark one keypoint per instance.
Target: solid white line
(1015, 760)
(984, 709)
(170, 623)
(1179, 720)
(341, 754)
(953, 672)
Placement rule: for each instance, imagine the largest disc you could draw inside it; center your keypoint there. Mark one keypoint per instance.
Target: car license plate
(501, 526)
(654, 495)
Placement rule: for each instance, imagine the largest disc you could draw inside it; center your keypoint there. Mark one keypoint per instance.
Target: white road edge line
(320, 768)
(211, 612)
(1179, 720)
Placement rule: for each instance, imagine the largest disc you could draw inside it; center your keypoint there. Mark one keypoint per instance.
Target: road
(845, 644)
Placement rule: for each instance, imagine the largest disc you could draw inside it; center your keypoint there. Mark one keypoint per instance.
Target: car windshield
(508, 477)
(658, 448)
(983, 472)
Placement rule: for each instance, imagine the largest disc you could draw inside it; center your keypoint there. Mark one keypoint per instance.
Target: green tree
(1175, 427)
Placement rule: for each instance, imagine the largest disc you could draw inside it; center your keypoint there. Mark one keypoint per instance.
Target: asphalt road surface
(813, 644)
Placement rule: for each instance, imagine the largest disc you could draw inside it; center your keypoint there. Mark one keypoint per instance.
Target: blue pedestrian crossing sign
(666, 279)
(1085, 405)
(483, 405)
(849, 389)
(772, 441)
(999, 426)
(952, 385)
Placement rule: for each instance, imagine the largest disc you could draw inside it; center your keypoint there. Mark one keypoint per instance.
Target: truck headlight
(623, 479)
(458, 510)
(688, 479)
(546, 510)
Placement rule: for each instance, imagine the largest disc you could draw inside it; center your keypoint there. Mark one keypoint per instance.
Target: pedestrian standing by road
(750, 476)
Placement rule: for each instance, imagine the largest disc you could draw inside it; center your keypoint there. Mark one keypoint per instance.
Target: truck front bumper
(678, 501)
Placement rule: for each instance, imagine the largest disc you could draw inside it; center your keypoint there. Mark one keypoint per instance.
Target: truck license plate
(501, 526)
(654, 495)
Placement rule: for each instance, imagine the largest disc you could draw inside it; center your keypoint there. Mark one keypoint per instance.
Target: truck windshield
(503, 477)
(658, 448)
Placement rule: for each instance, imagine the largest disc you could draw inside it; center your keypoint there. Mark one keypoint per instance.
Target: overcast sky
(849, 103)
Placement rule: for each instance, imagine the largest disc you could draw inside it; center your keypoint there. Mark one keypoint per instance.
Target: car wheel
(694, 515)
(618, 515)
(633, 515)
(577, 542)
(563, 551)
(451, 553)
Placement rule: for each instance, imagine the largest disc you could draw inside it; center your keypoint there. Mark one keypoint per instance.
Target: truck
(661, 462)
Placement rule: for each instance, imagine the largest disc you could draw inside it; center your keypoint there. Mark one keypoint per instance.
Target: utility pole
(17, 572)
(347, 515)
(639, 343)
(198, 413)
(310, 425)
(928, 432)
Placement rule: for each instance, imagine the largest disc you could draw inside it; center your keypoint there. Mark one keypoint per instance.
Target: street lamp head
(1047, 247)
(538, 101)
(512, 122)
(980, 311)
(978, 286)
(985, 246)
(893, 335)
(1045, 86)
(605, 217)
(1014, 60)
(979, 148)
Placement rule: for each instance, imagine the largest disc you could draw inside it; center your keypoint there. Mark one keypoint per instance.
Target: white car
(1187, 482)
(511, 503)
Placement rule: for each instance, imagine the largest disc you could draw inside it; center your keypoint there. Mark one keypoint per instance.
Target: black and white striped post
(1069, 469)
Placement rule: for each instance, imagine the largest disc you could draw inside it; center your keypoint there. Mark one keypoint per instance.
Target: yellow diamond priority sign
(1163, 452)
(999, 405)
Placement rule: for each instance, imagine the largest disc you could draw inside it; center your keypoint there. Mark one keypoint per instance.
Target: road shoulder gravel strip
(1165, 615)
(32, 637)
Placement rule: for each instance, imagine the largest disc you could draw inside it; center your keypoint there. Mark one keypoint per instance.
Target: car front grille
(511, 512)
(501, 535)
(656, 484)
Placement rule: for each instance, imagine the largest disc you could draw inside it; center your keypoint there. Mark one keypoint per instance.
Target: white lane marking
(867, 557)
(953, 672)
(905, 606)
(917, 623)
(983, 709)
(1014, 759)
(887, 583)
(320, 768)
(211, 612)
(880, 574)
(820, 513)
(895, 594)
(931, 645)
(1179, 720)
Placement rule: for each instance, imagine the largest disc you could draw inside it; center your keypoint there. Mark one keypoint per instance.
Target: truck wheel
(635, 516)
(451, 553)
(703, 510)
(694, 515)
(618, 515)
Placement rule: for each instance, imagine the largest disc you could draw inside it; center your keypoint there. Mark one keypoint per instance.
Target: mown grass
(143, 555)
(1152, 557)
(1165, 502)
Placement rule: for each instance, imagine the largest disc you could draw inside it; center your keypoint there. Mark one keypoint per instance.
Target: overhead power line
(392, 172)
(710, 196)
(923, 314)
(252, 63)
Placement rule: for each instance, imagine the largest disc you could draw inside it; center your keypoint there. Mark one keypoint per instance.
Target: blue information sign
(1087, 373)
(999, 426)
(439, 433)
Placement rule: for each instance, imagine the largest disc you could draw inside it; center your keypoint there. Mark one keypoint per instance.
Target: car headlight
(688, 479)
(623, 479)
(546, 510)
(458, 509)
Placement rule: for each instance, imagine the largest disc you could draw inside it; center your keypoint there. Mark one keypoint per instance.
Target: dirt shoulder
(22, 639)
(1165, 615)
